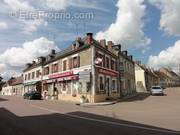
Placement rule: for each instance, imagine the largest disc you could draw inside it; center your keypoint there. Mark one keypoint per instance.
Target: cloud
(128, 27)
(32, 25)
(170, 15)
(3, 26)
(19, 5)
(14, 59)
(63, 4)
(167, 58)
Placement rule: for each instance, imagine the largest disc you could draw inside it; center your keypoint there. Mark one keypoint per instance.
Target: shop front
(107, 84)
(32, 86)
(60, 84)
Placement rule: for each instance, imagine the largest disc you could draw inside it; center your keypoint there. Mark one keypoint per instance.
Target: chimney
(89, 38)
(130, 57)
(125, 52)
(117, 47)
(28, 65)
(138, 62)
(33, 62)
(53, 51)
(103, 42)
(110, 44)
(41, 59)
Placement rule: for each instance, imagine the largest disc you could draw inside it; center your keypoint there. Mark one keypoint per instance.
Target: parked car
(32, 95)
(157, 90)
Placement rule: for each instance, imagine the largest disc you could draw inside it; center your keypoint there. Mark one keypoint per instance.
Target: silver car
(157, 90)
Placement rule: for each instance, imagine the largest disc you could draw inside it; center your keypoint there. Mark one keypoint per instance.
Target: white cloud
(128, 27)
(32, 25)
(63, 4)
(19, 5)
(170, 15)
(3, 26)
(167, 58)
(15, 58)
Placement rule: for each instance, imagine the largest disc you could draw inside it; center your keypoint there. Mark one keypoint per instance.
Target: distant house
(145, 78)
(13, 86)
(164, 80)
(174, 78)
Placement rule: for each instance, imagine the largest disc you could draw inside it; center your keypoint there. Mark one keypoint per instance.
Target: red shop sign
(59, 75)
(107, 72)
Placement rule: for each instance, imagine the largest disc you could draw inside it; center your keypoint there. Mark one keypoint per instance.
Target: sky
(148, 29)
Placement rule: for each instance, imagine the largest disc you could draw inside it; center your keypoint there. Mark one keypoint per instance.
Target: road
(142, 115)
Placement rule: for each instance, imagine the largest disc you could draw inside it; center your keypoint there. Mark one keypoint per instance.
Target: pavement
(141, 115)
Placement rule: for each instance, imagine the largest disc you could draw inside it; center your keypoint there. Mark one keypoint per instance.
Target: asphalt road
(24, 117)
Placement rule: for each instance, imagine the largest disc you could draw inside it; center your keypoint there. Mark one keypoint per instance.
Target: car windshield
(156, 87)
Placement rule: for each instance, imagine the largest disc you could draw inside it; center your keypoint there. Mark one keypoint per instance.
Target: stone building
(86, 70)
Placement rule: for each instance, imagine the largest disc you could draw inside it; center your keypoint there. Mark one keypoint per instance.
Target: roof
(16, 81)
(161, 75)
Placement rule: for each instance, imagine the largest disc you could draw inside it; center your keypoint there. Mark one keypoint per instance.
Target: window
(76, 61)
(25, 76)
(101, 83)
(46, 70)
(64, 65)
(54, 68)
(99, 55)
(38, 73)
(29, 76)
(114, 85)
(33, 75)
(107, 62)
(113, 65)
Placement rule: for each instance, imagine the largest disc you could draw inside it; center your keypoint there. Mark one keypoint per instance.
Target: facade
(32, 75)
(126, 69)
(174, 78)
(14, 86)
(145, 78)
(87, 70)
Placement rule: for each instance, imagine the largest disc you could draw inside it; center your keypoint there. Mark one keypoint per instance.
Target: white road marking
(104, 121)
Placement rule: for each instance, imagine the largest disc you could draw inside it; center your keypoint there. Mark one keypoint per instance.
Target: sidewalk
(111, 102)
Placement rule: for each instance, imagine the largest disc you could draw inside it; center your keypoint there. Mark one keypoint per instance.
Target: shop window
(64, 65)
(33, 75)
(64, 86)
(101, 83)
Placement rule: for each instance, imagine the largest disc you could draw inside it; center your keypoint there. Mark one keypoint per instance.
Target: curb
(108, 103)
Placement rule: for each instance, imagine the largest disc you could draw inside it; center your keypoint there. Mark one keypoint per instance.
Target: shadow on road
(140, 96)
(3, 99)
(75, 123)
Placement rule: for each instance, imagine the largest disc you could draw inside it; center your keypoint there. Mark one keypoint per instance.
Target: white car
(157, 90)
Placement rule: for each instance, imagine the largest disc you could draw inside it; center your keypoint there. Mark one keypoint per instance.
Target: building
(127, 72)
(13, 86)
(174, 78)
(32, 75)
(145, 77)
(86, 70)
(164, 80)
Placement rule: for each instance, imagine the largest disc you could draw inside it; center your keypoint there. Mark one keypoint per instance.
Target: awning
(30, 83)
